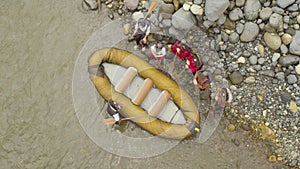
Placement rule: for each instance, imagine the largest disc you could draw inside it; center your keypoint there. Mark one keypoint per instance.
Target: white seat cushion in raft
(160, 103)
(124, 82)
(143, 91)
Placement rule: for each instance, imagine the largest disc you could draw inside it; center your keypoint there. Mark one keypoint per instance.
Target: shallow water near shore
(41, 43)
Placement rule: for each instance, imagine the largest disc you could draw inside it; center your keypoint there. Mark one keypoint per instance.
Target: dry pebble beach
(252, 46)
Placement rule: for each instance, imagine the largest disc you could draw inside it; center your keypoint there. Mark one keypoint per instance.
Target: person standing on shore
(142, 30)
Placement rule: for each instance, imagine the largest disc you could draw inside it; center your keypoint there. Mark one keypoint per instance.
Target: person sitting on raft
(113, 110)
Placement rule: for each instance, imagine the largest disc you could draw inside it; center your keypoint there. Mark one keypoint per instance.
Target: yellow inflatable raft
(153, 100)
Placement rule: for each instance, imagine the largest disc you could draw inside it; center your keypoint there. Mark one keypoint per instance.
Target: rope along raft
(147, 117)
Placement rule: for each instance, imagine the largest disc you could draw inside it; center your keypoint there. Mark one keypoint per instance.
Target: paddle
(99, 7)
(150, 10)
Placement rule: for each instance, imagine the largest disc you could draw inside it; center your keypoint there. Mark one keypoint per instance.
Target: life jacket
(181, 51)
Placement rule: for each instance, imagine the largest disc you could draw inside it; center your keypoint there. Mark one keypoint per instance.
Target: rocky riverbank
(254, 47)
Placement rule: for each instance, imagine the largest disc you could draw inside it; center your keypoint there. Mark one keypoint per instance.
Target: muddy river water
(41, 123)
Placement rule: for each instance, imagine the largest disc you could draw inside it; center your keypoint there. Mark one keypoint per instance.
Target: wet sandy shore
(41, 41)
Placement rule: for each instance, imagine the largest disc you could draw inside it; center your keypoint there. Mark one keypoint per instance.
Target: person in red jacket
(179, 50)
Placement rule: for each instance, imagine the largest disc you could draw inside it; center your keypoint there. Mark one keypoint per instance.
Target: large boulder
(183, 20)
(251, 9)
(215, 8)
(250, 32)
(295, 44)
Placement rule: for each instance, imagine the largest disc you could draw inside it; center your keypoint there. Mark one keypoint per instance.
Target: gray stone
(261, 61)
(221, 20)
(198, 2)
(251, 9)
(186, 7)
(272, 40)
(239, 28)
(285, 3)
(215, 8)
(236, 14)
(269, 28)
(183, 20)
(257, 67)
(236, 78)
(269, 73)
(166, 23)
(276, 21)
(239, 3)
(166, 10)
(289, 60)
(267, 4)
(231, 5)
(246, 53)
(241, 60)
(284, 49)
(278, 10)
(250, 32)
(90, 4)
(154, 19)
(286, 19)
(297, 69)
(196, 9)
(249, 80)
(291, 79)
(176, 33)
(137, 15)
(295, 44)
(261, 26)
(275, 57)
(265, 13)
(286, 97)
(208, 24)
(290, 31)
(168, 1)
(224, 36)
(234, 37)
(131, 4)
(280, 76)
(293, 8)
(253, 60)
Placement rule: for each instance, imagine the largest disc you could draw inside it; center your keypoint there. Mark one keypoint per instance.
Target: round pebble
(231, 127)
(286, 38)
(275, 57)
